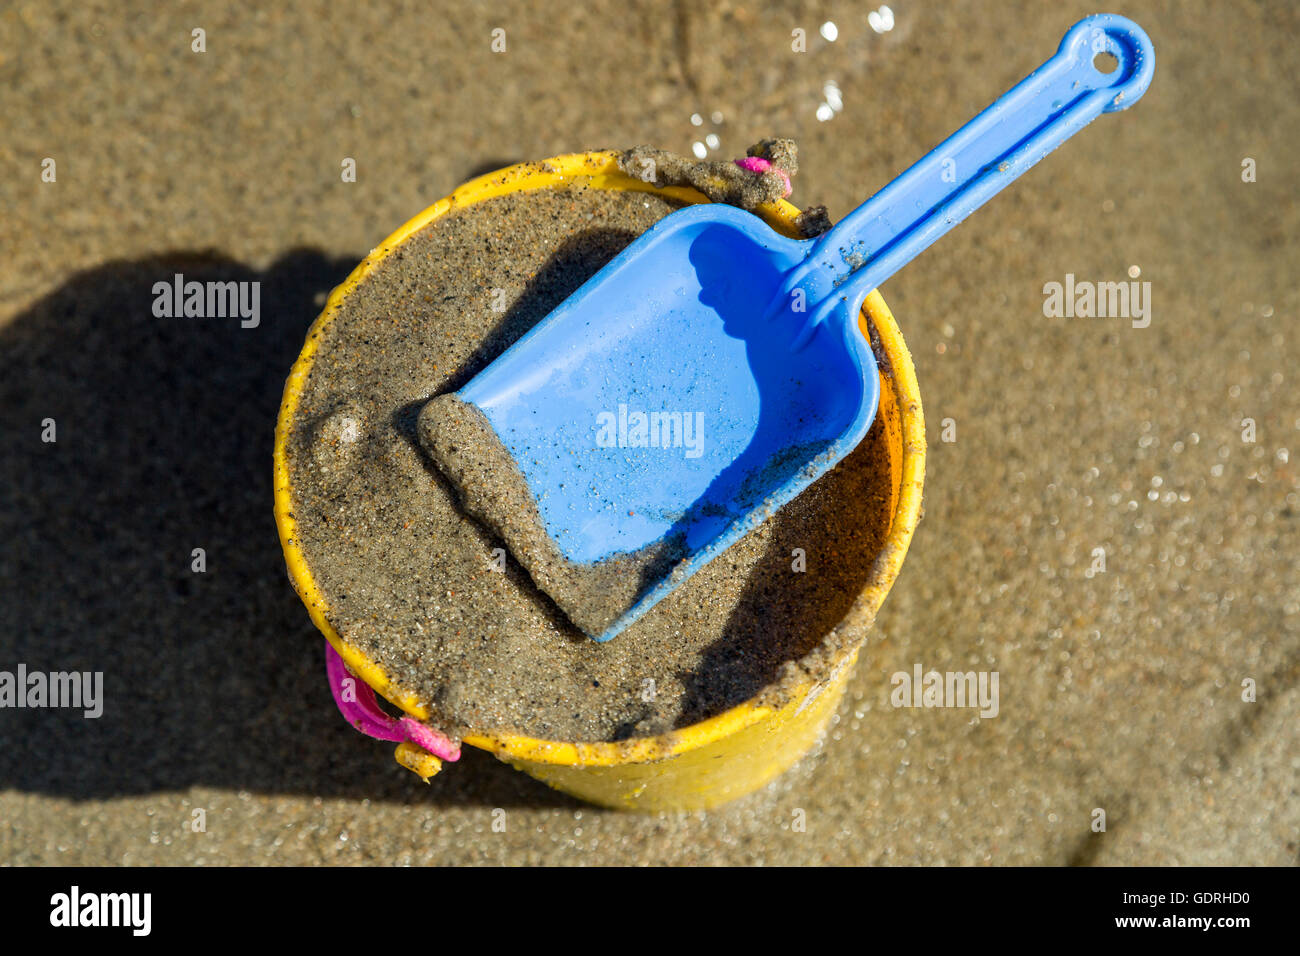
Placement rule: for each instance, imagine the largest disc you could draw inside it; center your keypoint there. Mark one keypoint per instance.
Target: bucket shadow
(164, 430)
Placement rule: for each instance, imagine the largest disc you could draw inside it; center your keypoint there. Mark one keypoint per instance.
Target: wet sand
(1120, 689)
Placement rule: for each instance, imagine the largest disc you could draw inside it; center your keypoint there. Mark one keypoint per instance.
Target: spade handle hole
(1105, 63)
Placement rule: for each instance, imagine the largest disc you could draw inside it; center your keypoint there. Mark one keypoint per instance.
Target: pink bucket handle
(365, 714)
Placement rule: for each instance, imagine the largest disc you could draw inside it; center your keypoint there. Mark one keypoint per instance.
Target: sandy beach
(1110, 508)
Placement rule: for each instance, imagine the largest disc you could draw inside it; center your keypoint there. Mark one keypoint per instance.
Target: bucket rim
(600, 170)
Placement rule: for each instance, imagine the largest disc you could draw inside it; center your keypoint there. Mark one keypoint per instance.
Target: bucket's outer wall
(735, 752)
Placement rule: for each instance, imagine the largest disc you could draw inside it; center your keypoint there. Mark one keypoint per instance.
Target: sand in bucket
(413, 583)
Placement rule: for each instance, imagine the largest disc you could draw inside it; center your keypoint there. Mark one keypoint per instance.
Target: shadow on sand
(164, 434)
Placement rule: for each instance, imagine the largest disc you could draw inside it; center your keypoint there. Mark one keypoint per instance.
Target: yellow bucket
(715, 760)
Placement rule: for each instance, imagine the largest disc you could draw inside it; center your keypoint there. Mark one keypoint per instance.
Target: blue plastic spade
(714, 369)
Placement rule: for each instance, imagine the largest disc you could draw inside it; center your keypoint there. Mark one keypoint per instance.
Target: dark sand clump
(723, 181)
(410, 580)
(719, 179)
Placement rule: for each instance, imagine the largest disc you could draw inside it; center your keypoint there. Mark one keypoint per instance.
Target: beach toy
(714, 369)
(693, 767)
